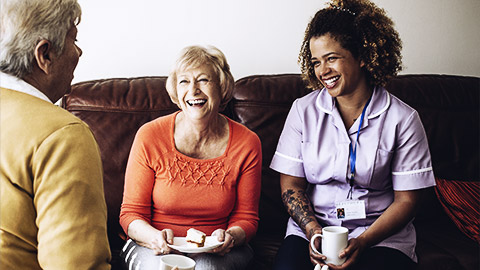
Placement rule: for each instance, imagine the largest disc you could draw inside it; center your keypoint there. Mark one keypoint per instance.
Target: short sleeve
(288, 155)
(411, 162)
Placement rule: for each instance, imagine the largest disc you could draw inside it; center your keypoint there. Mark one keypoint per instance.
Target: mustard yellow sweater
(52, 207)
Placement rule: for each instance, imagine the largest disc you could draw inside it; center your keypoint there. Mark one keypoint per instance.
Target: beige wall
(124, 38)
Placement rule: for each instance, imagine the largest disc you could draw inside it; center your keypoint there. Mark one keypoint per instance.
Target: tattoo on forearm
(299, 207)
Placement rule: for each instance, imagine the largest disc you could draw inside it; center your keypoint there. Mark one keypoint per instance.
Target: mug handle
(312, 242)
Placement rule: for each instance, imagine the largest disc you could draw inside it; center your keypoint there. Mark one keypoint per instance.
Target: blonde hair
(194, 56)
(23, 23)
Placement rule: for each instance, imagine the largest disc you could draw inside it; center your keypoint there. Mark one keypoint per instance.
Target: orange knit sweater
(170, 190)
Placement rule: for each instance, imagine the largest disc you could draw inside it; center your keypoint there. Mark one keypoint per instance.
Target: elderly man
(52, 207)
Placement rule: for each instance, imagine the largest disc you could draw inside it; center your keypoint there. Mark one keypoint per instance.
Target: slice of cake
(196, 237)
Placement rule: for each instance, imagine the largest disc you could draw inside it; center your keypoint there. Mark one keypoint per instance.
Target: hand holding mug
(334, 240)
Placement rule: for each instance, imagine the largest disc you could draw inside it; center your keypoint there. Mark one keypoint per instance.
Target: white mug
(334, 240)
(169, 261)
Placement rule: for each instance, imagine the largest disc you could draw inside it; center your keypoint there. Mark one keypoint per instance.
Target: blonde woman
(193, 168)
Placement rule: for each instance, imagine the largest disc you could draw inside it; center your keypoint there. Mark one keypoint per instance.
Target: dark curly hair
(363, 29)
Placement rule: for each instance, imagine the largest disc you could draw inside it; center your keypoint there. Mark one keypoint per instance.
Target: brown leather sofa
(448, 105)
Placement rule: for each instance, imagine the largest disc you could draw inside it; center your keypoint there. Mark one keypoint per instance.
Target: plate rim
(189, 249)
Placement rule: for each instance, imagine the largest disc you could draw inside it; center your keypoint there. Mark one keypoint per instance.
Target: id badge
(351, 209)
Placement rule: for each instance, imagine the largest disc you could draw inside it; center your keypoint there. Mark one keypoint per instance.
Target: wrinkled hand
(351, 252)
(226, 238)
(160, 241)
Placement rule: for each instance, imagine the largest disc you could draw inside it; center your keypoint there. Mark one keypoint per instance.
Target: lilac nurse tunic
(392, 154)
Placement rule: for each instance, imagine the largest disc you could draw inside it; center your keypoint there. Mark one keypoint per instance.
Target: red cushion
(460, 201)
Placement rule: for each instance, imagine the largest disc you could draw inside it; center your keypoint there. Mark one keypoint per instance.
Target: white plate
(181, 244)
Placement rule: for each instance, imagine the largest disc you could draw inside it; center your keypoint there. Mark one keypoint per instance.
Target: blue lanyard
(353, 151)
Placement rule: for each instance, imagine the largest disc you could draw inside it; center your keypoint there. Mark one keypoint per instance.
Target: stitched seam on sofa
(260, 104)
(118, 110)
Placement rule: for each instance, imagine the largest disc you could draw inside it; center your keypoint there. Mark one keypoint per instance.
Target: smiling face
(198, 92)
(335, 67)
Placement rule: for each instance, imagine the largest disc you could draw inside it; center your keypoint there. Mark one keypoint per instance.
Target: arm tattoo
(299, 207)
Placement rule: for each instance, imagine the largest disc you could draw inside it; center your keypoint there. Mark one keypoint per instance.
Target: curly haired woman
(352, 145)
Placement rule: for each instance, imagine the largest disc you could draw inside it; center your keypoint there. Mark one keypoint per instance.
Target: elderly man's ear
(43, 55)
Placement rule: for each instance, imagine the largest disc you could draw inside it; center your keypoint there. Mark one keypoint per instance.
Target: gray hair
(194, 56)
(23, 23)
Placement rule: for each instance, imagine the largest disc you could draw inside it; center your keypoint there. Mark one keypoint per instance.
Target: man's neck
(37, 80)
(13, 83)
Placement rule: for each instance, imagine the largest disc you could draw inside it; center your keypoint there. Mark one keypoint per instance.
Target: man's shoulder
(22, 111)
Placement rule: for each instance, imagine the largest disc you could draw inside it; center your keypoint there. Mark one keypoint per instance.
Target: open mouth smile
(196, 102)
(329, 83)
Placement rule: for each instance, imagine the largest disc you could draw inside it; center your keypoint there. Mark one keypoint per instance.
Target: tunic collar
(378, 105)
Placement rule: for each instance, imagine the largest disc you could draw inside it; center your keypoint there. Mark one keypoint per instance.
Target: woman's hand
(316, 258)
(233, 236)
(226, 238)
(160, 240)
(352, 252)
(145, 235)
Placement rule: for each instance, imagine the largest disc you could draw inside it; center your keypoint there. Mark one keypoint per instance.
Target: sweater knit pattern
(183, 170)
